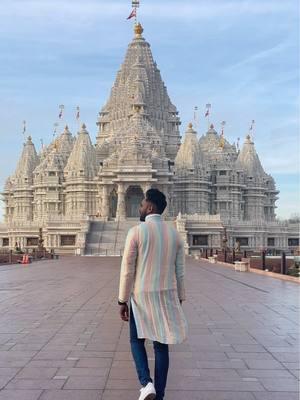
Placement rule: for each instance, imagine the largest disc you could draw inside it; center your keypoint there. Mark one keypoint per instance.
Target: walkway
(61, 337)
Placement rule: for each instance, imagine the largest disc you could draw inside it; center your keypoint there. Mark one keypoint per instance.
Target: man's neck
(152, 215)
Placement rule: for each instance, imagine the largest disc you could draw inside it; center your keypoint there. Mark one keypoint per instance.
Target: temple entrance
(134, 196)
(113, 203)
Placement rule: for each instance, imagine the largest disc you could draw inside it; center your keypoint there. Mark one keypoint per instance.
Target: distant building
(74, 189)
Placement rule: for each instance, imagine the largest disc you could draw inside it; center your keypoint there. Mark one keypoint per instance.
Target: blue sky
(240, 56)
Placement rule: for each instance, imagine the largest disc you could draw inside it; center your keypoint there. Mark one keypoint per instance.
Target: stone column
(121, 209)
(104, 205)
(165, 189)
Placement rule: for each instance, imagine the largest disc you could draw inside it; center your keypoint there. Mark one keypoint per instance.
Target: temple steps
(107, 238)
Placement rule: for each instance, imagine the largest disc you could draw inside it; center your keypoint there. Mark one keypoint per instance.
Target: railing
(9, 257)
(106, 253)
(282, 264)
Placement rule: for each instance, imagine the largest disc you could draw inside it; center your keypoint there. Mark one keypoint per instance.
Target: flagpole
(207, 114)
(195, 118)
(56, 124)
(78, 117)
(24, 130)
(61, 112)
(238, 144)
(252, 130)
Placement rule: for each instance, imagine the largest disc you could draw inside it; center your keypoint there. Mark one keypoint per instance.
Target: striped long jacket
(152, 278)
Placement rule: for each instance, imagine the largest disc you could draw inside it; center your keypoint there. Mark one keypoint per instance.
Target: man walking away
(151, 292)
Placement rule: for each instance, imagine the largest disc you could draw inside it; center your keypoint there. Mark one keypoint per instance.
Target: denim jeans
(139, 354)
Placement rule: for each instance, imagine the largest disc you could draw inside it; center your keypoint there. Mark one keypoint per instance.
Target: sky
(241, 56)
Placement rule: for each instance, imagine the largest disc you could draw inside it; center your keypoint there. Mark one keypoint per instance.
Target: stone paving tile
(263, 364)
(85, 382)
(180, 395)
(264, 373)
(291, 365)
(230, 364)
(83, 371)
(9, 371)
(34, 384)
(94, 362)
(71, 395)
(36, 373)
(52, 355)
(280, 384)
(4, 380)
(72, 345)
(193, 383)
(51, 363)
(211, 395)
(249, 356)
(288, 357)
(91, 354)
(276, 396)
(20, 394)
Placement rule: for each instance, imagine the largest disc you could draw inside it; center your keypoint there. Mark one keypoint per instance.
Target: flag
(251, 127)
(132, 14)
(207, 113)
(78, 113)
(24, 127)
(60, 114)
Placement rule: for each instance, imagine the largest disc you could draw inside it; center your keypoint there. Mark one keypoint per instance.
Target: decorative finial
(211, 126)
(138, 30)
(29, 139)
(83, 126)
(66, 128)
(190, 125)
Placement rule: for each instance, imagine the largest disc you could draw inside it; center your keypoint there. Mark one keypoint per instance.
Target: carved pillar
(165, 190)
(104, 205)
(121, 209)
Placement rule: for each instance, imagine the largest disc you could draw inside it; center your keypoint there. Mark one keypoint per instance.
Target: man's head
(154, 203)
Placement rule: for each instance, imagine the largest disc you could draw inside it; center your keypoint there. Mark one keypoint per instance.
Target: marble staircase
(107, 238)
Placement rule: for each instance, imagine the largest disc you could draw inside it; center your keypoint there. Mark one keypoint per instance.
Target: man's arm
(179, 270)
(128, 266)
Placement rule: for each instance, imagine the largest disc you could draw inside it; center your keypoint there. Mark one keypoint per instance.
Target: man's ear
(150, 208)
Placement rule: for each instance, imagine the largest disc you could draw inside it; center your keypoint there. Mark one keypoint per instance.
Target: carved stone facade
(208, 182)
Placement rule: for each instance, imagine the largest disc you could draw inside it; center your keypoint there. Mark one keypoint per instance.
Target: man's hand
(124, 312)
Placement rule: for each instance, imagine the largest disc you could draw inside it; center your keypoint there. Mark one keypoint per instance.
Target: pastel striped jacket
(152, 278)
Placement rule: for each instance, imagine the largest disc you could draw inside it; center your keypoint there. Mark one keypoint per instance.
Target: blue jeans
(139, 354)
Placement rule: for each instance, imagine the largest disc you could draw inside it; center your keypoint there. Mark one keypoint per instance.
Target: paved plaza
(61, 337)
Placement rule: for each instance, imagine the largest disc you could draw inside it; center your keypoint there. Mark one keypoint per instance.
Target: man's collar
(158, 216)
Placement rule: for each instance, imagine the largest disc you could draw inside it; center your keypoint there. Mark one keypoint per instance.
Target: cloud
(260, 56)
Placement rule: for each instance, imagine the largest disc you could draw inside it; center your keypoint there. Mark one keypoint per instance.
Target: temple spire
(249, 160)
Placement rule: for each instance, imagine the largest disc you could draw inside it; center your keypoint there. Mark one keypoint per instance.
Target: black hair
(157, 198)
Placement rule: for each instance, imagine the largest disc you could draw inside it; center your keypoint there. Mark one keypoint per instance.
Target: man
(151, 292)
